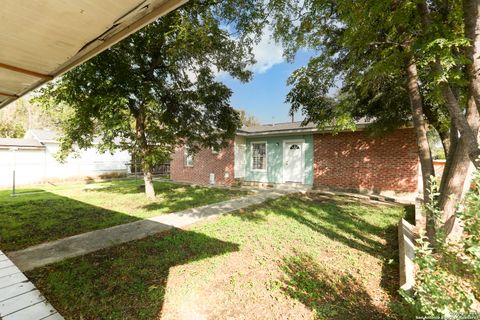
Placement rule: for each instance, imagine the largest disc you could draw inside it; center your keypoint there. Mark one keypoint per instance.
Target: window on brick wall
(187, 157)
(259, 156)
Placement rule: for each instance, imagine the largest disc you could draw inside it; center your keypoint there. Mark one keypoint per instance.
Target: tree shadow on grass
(253, 213)
(333, 220)
(338, 220)
(328, 216)
(136, 186)
(127, 281)
(133, 186)
(33, 218)
(328, 294)
(190, 197)
(170, 197)
(342, 224)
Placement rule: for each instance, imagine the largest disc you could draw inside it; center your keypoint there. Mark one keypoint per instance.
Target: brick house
(289, 153)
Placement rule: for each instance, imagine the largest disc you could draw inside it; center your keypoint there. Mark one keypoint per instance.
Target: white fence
(39, 165)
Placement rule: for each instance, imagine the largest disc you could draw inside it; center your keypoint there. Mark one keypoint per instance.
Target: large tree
(394, 62)
(157, 89)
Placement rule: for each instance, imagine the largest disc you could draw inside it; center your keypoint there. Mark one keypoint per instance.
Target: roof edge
(360, 127)
(93, 50)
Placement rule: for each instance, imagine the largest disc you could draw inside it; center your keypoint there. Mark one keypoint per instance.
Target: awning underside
(43, 39)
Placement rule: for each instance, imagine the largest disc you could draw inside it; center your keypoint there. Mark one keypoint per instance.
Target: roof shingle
(291, 127)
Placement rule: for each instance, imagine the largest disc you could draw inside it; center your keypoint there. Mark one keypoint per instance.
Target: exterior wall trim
(239, 158)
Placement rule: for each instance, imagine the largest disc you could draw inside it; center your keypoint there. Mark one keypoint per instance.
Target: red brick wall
(204, 163)
(355, 160)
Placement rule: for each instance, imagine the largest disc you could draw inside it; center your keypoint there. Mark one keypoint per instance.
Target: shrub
(447, 280)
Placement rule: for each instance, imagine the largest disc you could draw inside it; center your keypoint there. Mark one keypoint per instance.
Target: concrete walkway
(50, 252)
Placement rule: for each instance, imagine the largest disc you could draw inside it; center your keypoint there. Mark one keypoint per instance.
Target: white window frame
(251, 156)
(186, 157)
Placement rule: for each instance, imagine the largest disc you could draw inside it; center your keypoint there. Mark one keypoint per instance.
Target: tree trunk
(453, 180)
(454, 139)
(420, 127)
(424, 152)
(451, 100)
(468, 134)
(143, 148)
(457, 176)
(446, 142)
(147, 178)
(471, 10)
(465, 150)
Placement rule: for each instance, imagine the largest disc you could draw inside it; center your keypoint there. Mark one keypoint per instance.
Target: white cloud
(267, 53)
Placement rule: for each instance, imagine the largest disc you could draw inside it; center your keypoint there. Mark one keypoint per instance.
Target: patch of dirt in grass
(239, 288)
(297, 286)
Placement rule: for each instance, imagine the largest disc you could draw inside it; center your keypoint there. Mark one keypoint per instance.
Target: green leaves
(445, 52)
(357, 71)
(360, 53)
(162, 78)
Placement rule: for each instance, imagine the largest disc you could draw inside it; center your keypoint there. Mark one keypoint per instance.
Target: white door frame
(302, 143)
(240, 157)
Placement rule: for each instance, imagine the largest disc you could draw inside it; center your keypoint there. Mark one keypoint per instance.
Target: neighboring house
(289, 153)
(33, 159)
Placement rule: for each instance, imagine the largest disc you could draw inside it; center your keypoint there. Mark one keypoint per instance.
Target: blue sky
(264, 96)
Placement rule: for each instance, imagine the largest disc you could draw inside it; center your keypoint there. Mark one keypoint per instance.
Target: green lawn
(297, 257)
(69, 209)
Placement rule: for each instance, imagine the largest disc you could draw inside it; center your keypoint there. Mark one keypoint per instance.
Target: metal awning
(40, 39)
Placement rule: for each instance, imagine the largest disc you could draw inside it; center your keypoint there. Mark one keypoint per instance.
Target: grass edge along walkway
(54, 251)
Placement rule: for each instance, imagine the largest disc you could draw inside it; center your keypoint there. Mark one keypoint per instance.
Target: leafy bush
(447, 280)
